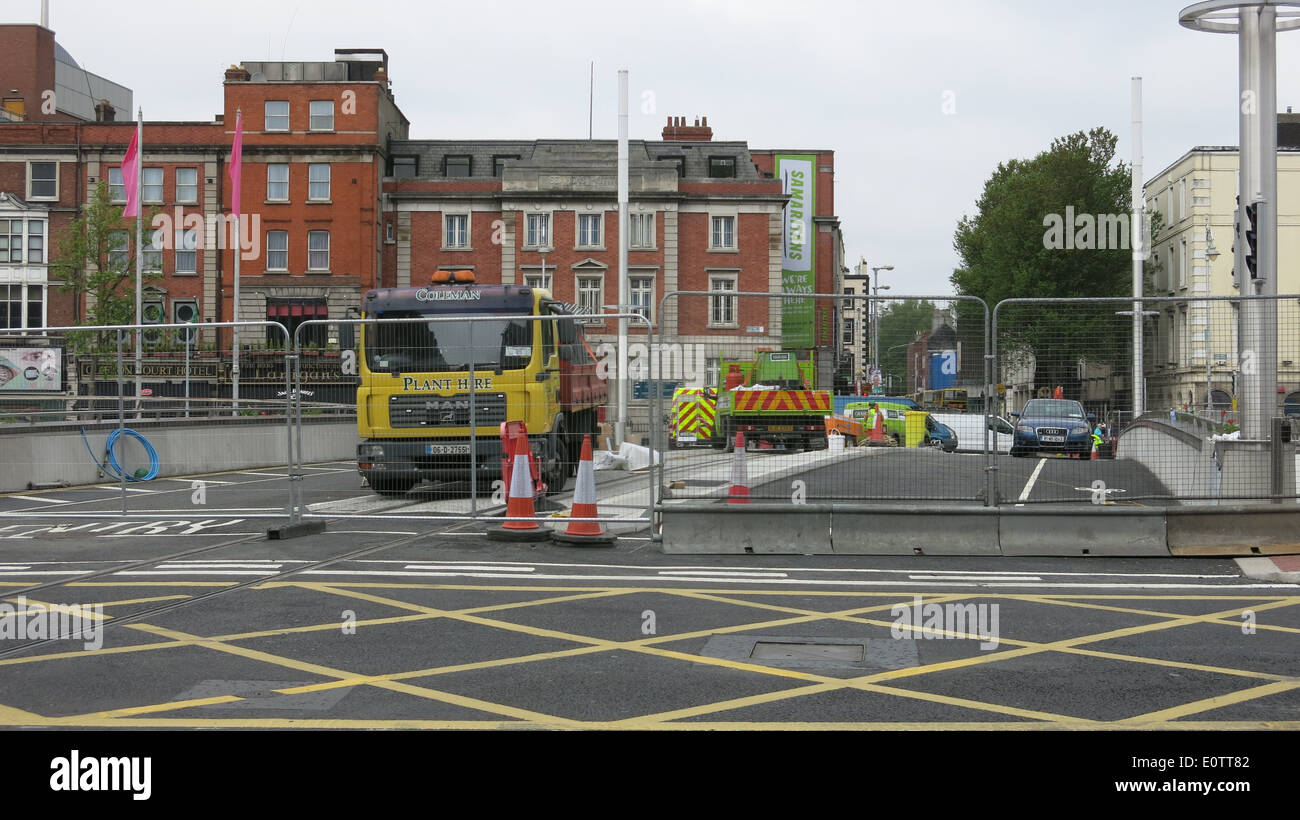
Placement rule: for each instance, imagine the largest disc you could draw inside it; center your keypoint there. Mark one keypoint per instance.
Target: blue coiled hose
(111, 466)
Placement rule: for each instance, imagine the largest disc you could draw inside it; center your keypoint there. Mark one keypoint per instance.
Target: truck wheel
(555, 469)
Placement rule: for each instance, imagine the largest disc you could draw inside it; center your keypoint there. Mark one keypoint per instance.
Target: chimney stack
(678, 131)
(105, 112)
(237, 73)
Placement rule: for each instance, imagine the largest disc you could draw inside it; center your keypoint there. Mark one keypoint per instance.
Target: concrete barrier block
(757, 528)
(1233, 533)
(947, 533)
(1027, 531)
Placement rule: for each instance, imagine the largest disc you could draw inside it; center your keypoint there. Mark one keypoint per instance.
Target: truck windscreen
(443, 346)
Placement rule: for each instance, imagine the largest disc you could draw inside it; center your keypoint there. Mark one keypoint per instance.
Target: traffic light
(1252, 232)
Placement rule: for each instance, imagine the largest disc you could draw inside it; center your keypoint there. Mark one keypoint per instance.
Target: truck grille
(406, 411)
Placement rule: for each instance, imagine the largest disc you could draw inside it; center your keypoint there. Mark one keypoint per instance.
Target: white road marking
(264, 475)
(723, 573)
(791, 581)
(972, 578)
(471, 568)
(1029, 486)
(196, 572)
(49, 572)
(216, 565)
(39, 498)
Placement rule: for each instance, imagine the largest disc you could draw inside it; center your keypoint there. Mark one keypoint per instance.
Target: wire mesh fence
(139, 417)
(881, 400)
(464, 409)
(1077, 430)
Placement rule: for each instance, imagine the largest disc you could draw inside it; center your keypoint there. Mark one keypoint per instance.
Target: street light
(875, 319)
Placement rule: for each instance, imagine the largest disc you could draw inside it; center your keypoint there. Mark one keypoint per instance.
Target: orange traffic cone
(584, 506)
(739, 492)
(519, 501)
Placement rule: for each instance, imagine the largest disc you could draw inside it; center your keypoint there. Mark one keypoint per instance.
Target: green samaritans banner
(798, 175)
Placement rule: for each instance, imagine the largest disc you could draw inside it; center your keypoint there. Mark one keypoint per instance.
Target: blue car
(1053, 426)
(940, 435)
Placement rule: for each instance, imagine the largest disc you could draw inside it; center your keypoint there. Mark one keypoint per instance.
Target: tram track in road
(209, 549)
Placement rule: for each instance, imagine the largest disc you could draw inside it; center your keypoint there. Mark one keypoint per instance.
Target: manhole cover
(844, 652)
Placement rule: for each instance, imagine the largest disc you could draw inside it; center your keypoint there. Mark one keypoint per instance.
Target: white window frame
(119, 245)
(26, 289)
(1182, 264)
(312, 169)
(312, 116)
(644, 236)
(648, 309)
(187, 254)
(735, 222)
(715, 301)
(273, 250)
(270, 166)
(447, 233)
(528, 229)
(311, 250)
(10, 236)
(194, 198)
(28, 235)
(599, 307)
(579, 238)
(267, 116)
(120, 185)
(30, 179)
(534, 278)
(161, 175)
(153, 251)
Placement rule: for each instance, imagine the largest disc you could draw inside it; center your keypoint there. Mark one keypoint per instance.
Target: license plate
(1053, 439)
(782, 428)
(686, 437)
(446, 449)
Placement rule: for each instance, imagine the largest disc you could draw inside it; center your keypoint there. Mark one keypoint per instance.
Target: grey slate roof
(574, 155)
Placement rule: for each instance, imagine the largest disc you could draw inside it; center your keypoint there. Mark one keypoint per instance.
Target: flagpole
(235, 191)
(139, 252)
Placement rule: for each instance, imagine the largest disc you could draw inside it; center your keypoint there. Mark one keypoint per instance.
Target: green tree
(1011, 247)
(899, 324)
(95, 262)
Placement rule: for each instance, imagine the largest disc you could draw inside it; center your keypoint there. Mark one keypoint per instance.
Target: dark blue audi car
(1053, 426)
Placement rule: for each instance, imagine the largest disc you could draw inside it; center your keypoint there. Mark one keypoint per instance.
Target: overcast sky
(868, 80)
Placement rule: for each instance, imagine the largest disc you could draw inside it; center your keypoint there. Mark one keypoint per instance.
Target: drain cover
(844, 652)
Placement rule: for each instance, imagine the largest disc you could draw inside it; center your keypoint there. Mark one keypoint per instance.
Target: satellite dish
(1044, 392)
(258, 77)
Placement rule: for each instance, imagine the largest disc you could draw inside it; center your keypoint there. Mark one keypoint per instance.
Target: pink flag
(131, 177)
(236, 164)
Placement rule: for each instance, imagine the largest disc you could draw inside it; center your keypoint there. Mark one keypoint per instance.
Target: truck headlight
(370, 451)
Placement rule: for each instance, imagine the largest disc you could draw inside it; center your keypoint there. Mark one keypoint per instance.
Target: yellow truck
(416, 402)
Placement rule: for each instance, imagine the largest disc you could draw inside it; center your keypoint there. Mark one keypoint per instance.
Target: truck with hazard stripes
(455, 361)
(772, 399)
(693, 417)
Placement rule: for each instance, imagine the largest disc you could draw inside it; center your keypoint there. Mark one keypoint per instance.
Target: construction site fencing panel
(440, 401)
(798, 379)
(162, 422)
(1080, 433)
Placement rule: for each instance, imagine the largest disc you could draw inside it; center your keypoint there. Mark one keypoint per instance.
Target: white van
(969, 428)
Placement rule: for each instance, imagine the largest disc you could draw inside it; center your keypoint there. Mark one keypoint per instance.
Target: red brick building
(337, 200)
